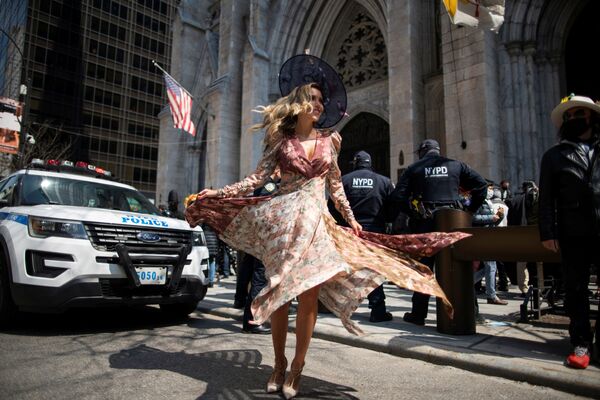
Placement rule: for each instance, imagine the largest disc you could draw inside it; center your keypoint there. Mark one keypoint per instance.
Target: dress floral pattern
(300, 244)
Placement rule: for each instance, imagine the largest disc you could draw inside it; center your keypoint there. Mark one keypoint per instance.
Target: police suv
(70, 236)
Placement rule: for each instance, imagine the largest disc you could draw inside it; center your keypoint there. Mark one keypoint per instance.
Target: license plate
(152, 275)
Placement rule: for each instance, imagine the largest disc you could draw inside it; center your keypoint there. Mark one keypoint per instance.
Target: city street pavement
(532, 352)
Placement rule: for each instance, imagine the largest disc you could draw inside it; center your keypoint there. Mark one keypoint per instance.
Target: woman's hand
(550, 244)
(356, 227)
(205, 193)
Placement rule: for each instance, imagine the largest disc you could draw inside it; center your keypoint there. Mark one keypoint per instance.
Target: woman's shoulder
(325, 132)
(334, 136)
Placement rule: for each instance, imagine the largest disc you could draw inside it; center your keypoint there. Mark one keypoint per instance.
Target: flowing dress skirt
(301, 246)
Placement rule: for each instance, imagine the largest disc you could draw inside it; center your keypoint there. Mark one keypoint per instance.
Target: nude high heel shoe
(292, 383)
(277, 377)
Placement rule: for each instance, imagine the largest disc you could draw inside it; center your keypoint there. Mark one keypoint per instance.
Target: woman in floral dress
(305, 253)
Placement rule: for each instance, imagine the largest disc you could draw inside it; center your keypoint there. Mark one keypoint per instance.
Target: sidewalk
(532, 352)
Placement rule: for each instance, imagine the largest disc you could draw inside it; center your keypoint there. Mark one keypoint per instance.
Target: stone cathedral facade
(409, 75)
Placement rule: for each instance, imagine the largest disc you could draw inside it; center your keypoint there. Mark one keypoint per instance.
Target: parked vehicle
(70, 236)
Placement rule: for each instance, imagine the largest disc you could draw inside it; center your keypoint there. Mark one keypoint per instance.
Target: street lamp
(24, 90)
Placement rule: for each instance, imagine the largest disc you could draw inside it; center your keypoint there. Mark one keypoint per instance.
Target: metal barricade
(454, 264)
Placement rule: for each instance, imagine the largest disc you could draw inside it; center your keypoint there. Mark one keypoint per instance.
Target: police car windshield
(38, 189)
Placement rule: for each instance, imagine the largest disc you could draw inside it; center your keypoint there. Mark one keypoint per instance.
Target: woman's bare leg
(279, 328)
(305, 324)
(279, 325)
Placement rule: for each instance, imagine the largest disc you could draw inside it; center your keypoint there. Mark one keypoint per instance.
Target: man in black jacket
(569, 212)
(427, 185)
(212, 244)
(368, 194)
(252, 271)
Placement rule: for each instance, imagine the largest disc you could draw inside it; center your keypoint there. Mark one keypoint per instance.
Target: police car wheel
(179, 309)
(7, 307)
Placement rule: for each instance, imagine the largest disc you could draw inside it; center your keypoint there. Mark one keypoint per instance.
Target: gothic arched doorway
(370, 133)
(581, 74)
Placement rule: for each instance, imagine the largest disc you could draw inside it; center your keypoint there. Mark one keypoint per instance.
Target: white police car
(69, 237)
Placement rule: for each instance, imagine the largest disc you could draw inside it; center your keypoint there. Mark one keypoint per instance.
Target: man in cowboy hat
(569, 211)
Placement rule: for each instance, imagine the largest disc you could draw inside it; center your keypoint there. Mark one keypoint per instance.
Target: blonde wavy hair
(280, 118)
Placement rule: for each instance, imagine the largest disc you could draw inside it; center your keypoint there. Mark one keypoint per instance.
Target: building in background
(92, 80)
(409, 73)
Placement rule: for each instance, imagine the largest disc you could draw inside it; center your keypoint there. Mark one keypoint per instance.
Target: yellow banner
(485, 14)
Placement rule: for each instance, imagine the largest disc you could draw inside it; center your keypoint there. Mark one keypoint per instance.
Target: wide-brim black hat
(303, 69)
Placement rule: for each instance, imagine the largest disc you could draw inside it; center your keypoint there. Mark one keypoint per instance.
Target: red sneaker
(579, 358)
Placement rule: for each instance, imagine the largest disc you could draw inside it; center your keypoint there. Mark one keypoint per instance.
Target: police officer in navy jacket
(427, 185)
(368, 194)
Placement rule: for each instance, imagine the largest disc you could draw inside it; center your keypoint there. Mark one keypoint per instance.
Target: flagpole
(181, 86)
(165, 72)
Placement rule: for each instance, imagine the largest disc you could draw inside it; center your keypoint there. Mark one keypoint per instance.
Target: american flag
(180, 103)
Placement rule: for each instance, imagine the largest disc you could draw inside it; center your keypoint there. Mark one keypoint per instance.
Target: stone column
(470, 97)
(523, 138)
(175, 161)
(543, 92)
(256, 78)
(223, 147)
(507, 116)
(515, 51)
(553, 98)
(404, 81)
(529, 113)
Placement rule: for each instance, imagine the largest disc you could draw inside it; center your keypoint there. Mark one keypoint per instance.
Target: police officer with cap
(368, 194)
(427, 185)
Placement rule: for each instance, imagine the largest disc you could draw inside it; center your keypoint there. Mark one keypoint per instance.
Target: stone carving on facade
(362, 56)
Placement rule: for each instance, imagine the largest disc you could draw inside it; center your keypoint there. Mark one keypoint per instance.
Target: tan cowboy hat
(569, 102)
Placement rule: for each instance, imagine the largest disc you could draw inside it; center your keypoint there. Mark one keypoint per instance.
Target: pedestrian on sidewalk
(523, 211)
(251, 277)
(242, 281)
(369, 196)
(223, 260)
(486, 216)
(212, 244)
(173, 205)
(257, 282)
(569, 212)
(502, 196)
(505, 192)
(305, 253)
(427, 185)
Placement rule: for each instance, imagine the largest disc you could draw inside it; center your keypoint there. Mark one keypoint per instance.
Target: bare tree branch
(49, 144)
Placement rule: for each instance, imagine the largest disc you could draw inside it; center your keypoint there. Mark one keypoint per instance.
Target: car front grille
(121, 288)
(105, 237)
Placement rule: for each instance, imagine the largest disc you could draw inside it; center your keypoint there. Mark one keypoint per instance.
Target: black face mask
(574, 128)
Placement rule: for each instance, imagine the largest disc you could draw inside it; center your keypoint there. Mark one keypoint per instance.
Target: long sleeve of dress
(334, 183)
(266, 167)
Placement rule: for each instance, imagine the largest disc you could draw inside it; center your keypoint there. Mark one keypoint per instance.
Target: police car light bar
(79, 165)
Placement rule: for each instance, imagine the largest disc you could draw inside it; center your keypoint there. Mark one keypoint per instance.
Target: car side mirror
(3, 203)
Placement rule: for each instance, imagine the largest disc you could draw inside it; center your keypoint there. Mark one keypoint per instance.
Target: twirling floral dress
(299, 243)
